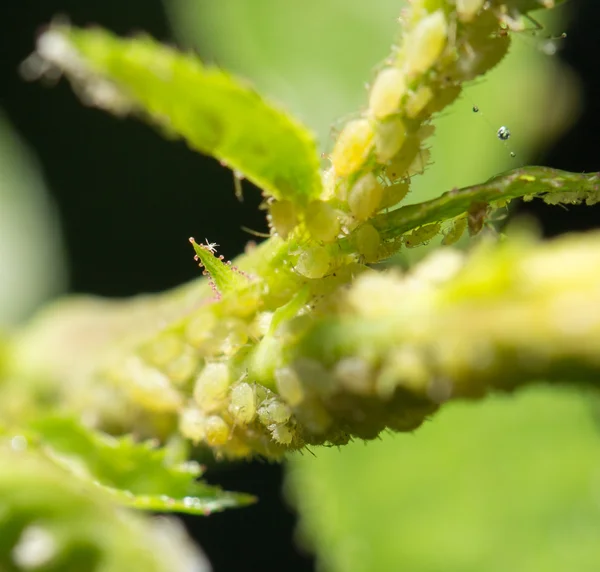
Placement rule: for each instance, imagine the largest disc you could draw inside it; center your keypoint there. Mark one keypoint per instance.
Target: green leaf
(136, 474)
(52, 521)
(508, 483)
(226, 278)
(554, 186)
(216, 113)
(320, 81)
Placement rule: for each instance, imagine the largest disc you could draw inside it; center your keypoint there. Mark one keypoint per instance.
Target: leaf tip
(223, 276)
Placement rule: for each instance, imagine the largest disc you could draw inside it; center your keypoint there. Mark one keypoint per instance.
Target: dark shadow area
(578, 149)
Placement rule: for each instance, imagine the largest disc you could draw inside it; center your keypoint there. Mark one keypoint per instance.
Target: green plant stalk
(511, 314)
(234, 368)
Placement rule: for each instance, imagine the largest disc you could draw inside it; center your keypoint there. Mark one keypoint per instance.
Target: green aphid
(421, 235)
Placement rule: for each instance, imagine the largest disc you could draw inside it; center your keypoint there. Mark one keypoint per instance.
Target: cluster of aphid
(445, 43)
(188, 371)
(205, 370)
(222, 370)
(568, 198)
(221, 374)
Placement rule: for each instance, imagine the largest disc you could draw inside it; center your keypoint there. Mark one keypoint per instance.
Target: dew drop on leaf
(503, 133)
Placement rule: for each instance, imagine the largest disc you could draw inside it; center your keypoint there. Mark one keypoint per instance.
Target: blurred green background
(510, 483)
(31, 256)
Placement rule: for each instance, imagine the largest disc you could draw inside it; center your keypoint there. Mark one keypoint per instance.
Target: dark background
(128, 200)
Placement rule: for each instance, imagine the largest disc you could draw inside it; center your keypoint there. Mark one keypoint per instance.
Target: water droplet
(475, 109)
(503, 133)
(513, 154)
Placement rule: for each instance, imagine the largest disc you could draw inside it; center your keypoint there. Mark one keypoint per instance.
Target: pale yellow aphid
(353, 146)
(283, 217)
(313, 262)
(354, 374)
(217, 431)
(399, 165)
(388, 89)
(313, 415)
(199, 328)
(406, 363)
(261, 325)
(230, 335)
(421, 235)
(389, 138)
(242, 404)
(394, 194)
(365, 196)
(367, 241)
(281, 433)
(425, 131)
(417, 101)
(289, 386)
(163, 349)
(148, 386)
(182, 368)
(322, 221)
(468, 9)
(455, 232)
(419, 163)
(425, 43)
(274, 411)
(192, 424)
(443, 98)
(212, 386)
